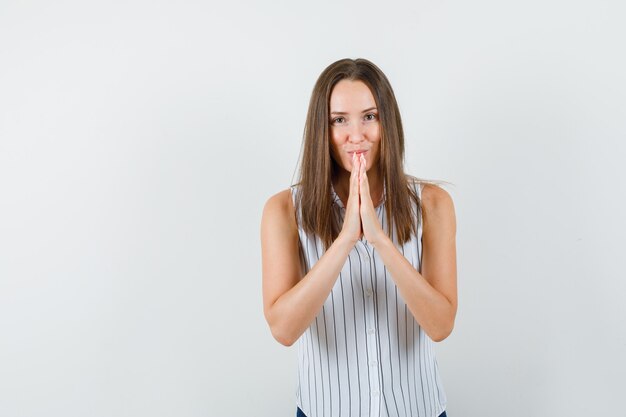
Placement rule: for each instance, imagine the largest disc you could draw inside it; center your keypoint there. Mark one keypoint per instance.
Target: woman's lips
(357, 152)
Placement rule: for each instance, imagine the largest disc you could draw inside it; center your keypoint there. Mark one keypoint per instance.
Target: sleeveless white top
(364, 355)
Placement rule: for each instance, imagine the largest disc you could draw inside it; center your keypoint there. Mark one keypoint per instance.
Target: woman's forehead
(351, 96)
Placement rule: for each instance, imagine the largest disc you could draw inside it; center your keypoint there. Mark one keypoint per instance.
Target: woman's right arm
(291, 302)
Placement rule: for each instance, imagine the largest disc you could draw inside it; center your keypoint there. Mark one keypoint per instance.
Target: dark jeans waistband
(299, 413)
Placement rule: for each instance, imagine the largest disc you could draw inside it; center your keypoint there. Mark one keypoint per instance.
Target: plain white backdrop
(139, 141)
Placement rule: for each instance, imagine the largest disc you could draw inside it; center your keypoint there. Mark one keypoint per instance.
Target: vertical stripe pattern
(364, 355)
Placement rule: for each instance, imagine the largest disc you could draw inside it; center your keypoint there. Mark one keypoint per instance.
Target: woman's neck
(341, 184)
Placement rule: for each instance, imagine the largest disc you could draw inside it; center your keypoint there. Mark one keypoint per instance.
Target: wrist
(344, 240)
(381, 241)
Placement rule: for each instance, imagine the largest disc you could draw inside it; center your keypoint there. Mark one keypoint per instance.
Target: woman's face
(354, 124)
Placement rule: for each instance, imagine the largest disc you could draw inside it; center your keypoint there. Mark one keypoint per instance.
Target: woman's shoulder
(279, 209)
(429, 189)
(281, 201)
(432, 195)
(438, 208)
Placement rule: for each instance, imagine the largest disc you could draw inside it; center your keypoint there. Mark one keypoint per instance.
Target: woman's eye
(338, 120)
(373, 116)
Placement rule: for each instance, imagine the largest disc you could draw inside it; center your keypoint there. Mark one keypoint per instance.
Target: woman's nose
(357, 133)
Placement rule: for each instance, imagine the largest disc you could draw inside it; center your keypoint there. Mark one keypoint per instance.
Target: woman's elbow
(278, 331)
(282, 338)
(443, 334)
(440, 338)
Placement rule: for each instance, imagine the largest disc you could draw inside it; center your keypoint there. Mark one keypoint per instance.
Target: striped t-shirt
(364, 355)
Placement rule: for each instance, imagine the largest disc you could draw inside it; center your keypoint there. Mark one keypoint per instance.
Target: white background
(139, 142)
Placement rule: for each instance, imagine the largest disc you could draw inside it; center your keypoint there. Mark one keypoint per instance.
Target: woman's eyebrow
(343, 112)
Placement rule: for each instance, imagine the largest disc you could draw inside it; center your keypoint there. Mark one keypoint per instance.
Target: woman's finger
(352, 220)
(363, 183)
(354, 176)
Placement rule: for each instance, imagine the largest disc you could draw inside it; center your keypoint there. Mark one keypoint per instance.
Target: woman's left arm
(432, 295)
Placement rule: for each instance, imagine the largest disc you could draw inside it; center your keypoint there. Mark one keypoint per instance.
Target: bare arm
(432, 295)
(291, 302)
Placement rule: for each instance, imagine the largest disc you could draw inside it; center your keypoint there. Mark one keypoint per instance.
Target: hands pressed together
(360, 218)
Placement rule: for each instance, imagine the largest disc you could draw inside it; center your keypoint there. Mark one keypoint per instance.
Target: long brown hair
(314, 200)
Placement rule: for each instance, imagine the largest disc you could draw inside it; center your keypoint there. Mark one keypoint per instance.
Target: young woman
(359, 258)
